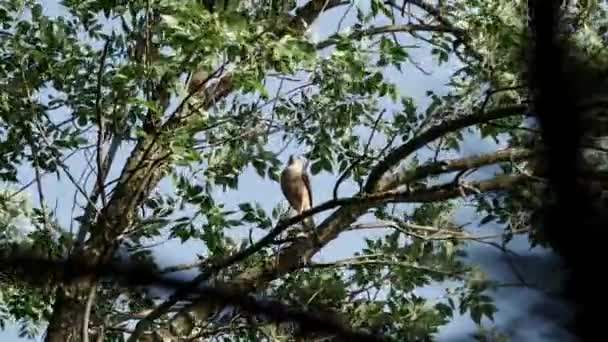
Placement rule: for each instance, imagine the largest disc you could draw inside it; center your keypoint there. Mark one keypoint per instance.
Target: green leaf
(476, 315)
(316, 168)
(171, 21)
(487, 219)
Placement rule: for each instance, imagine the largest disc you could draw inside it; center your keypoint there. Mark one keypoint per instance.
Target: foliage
(105, 83)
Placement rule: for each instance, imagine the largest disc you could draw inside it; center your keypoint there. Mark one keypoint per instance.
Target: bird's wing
(306, 180)
(288, 189)
(285, 187)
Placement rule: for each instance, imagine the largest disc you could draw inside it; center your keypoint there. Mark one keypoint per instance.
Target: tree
(197, 93)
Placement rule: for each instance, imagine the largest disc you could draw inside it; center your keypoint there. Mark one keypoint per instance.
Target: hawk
(295, 184)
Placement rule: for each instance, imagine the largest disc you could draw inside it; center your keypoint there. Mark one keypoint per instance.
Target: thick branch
(444, 166)
(291, 257)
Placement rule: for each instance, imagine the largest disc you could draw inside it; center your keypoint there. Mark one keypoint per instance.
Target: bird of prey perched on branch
(295, 184)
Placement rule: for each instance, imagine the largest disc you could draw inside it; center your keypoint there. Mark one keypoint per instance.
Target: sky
(517, 306)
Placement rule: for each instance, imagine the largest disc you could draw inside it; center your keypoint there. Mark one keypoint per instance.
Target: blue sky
(514, 304)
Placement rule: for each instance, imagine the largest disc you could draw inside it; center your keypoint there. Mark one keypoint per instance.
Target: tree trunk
(66, 324)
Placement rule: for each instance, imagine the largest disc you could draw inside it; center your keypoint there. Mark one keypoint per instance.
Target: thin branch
(393, 158)
(446, 234)
(350, 7)
(359, 160)
(84, 177)
(91, 207)
(100, 131)
(385, 29)
(493, 92)
(68, 174)
(39, 184)
(87, 313)
(173, 116)
(33, 180)
(383, 261)
(290, 91)
(435, 12)
(184, 267)
(273, 108)
(152, 245)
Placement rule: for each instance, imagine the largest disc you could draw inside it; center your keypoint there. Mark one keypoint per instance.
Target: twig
(84, 176)
(39, 184)
(418, 66)
(273, 107)
(87, 313)
(344, 16)
(290, 91)
(68, 174)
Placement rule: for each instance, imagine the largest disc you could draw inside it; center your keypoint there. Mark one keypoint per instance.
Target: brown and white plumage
(295, 184)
